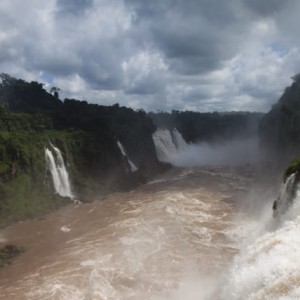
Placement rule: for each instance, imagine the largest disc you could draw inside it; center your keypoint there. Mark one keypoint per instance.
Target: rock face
(8, 252)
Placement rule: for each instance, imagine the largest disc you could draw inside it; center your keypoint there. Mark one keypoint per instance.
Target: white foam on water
(57, 290)
(65, 229)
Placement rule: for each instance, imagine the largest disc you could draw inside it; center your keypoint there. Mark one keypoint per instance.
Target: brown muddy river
(169, 239)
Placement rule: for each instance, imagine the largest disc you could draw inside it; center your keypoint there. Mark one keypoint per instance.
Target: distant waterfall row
(167, 143)
(131, 166)
(57, 168)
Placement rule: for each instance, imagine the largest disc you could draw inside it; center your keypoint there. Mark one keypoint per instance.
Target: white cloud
(144, 73)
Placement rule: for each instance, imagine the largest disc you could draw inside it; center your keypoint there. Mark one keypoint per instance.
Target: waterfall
(286, 196)
(132, 167)
(171, 147)
(60, 176)
(168, 142)
(178, 139)
(269, 267)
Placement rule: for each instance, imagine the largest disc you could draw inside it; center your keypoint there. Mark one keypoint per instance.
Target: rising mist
(237, 151)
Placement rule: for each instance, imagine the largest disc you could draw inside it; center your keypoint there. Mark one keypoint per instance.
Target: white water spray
(286, 196)
(269, 267)
(60, 176)
(171, 147)
(132, 166)
(168, 143)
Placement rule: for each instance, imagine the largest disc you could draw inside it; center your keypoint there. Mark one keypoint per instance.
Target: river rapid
(175, 237)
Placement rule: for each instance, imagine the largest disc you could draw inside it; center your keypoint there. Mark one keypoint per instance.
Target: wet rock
(287, 194)
(8, 252)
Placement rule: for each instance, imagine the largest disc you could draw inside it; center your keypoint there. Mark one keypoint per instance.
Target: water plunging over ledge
(60, 177)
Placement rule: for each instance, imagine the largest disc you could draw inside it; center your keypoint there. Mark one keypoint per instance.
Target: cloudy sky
(204, 55)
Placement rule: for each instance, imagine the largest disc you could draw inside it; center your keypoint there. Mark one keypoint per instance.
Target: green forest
(31, 118)
(279, 130)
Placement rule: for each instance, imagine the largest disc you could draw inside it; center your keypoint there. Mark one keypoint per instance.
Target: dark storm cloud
(146, 86)
(92, 46)
(191, 34)
(267, 7)
(76, 7)
(105, 76)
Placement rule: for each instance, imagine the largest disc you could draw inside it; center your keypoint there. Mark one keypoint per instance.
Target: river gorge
(172, 238)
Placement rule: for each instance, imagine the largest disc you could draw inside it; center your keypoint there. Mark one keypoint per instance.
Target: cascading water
(132, 166)
(269, 267)
(287, 195)
(178, 140)
(171, 148)
(60, 176)
(168, 142)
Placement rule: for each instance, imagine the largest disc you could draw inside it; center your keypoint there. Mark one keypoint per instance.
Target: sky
(200, 55)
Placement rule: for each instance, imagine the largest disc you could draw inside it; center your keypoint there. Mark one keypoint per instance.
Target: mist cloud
(233, 152)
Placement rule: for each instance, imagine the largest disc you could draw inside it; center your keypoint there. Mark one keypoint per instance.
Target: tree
(54, 90)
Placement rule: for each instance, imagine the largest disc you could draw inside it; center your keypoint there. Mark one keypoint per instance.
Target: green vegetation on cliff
(86, 134)
(293, 167)
(280, 128)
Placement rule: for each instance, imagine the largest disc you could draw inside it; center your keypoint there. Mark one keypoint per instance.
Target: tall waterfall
(132, 166)
(55, 163)
(168, 142)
